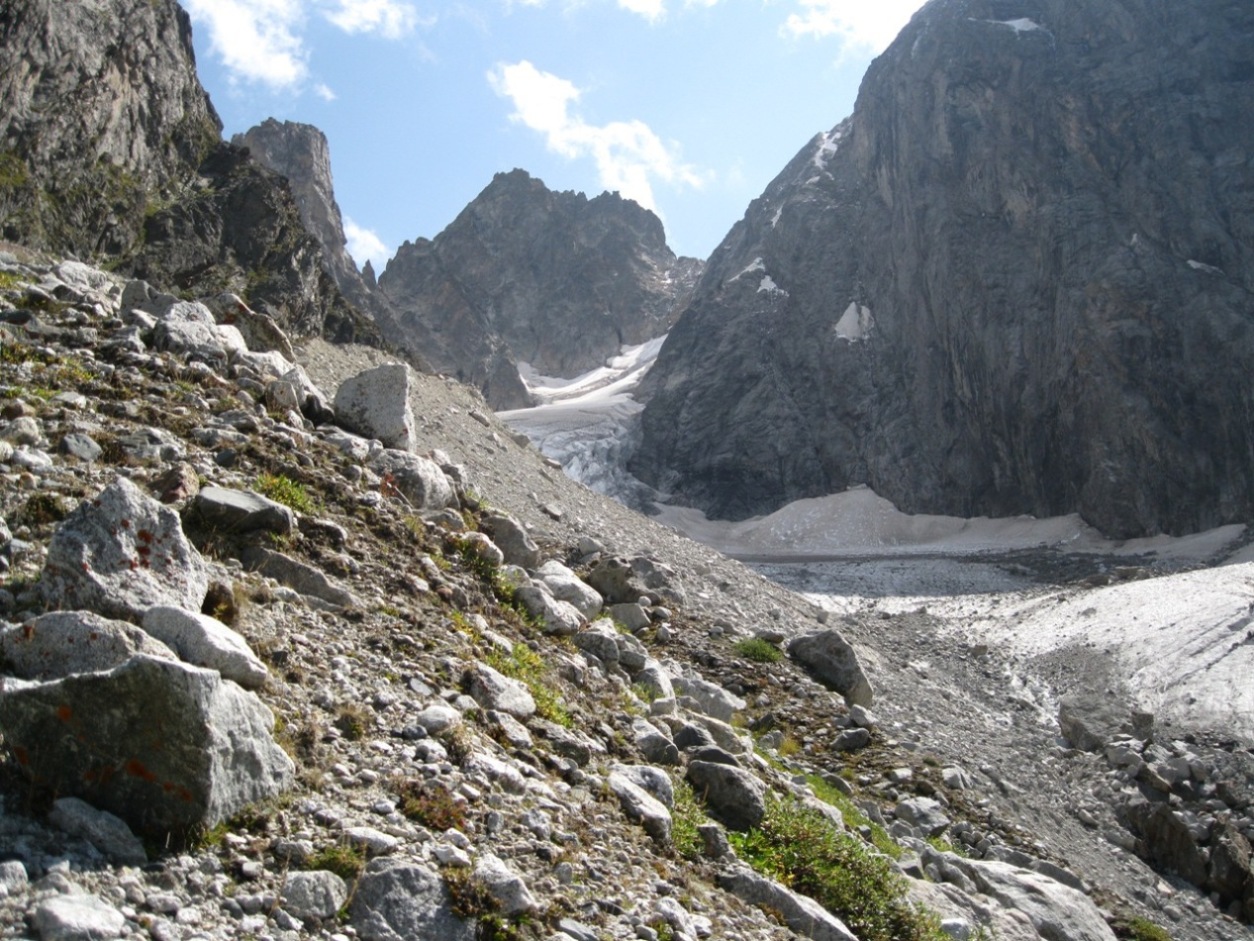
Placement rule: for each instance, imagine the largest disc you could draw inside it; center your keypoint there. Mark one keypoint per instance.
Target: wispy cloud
(263, 40)
(391, 19)
(325, 92)
(628, 155)
(365, 245)
(860, 25)
(651, 10)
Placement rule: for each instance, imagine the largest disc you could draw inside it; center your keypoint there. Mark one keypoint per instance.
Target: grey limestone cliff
(526, 274)
(1017, 280)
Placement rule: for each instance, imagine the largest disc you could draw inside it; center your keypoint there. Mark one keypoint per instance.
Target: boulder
(513, 539)
(64, 642)
(803, 915)
(314, 896)
(1090, 719)
(168, 747)
(242, 511)
(492, 690)
(709, 698)
(297, 575)
(398, 900)
(121, 553)
(735, 797)
(925, 813)
(565, 585)
(506, 889)
(77, 918)
(206, 642)
(1056, 911)
(103, 830)
(559, 617)
(616, 582)
(375, 403)
(418, 479)
(834, 661)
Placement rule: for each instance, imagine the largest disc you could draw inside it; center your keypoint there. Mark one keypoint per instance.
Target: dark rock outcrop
(1017, 280)
(110, 147)
(524, 274)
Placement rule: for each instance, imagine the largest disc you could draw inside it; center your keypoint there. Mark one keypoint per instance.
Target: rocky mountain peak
(300, 153)
(528, 275)
(1015, 281)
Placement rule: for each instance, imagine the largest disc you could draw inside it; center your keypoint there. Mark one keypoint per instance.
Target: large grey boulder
(166, 746)
(834, 661)
(189, 327)
(735, 796)
(63, 642)
(206, 642)
(375, 403)
(506, 888)
(119, 554)
(418, 479)
(397, 900)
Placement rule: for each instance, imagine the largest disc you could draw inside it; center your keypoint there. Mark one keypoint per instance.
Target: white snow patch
(1202, 266)
(755, 265)
(1022, 25)
(770, 287)
(855, 324)
(775, 218)
(827, 145)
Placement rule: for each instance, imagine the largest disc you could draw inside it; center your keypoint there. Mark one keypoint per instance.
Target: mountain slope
(1017, 280)
(528, 275)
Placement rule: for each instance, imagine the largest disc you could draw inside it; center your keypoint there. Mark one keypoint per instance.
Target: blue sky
(690, 107)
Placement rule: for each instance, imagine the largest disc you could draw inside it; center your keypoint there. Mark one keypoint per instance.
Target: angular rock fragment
(418, 480)
(397, 900)
(735, 796)
(206, 642)
(242, 511)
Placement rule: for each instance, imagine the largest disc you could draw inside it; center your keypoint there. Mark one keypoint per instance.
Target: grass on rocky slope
(803, 849)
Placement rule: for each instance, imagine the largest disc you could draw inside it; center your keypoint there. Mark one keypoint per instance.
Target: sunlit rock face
(528, 275)
(1016, 280)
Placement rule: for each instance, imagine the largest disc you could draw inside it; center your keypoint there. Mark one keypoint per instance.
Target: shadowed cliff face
(110, 148)
(1017, 280)
(528, 275)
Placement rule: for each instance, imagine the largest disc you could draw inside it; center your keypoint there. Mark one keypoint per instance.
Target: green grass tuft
(282, 489)
(802, 848)
(758, 650)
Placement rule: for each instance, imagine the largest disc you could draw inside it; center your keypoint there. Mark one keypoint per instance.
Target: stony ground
(353, 689)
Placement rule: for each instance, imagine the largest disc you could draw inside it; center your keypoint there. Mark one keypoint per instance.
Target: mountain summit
(1016, 280)
(528, 275)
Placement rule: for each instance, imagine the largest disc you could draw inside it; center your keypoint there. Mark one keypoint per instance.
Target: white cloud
(629, 156)
(364, 245)
(391, 19)
(258, 40)
(862, 25)
(263, 40)
(651, 10)
(325, 92)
